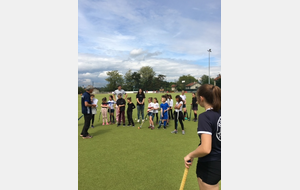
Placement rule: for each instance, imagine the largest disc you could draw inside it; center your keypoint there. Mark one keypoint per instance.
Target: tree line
(147, 79)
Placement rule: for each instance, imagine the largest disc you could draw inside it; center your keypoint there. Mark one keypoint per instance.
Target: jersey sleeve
(204, 125)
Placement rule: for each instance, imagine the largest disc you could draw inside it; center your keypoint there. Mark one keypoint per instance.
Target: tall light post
(209, 65)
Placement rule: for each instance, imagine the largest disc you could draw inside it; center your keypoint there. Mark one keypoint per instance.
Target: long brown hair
(212, 95)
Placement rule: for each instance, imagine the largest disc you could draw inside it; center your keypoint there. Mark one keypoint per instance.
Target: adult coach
(183, 97)
(115, 95)
(140, 98)
(86, 109)
(209, 130)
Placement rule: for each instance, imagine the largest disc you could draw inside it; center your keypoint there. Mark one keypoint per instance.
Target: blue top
(164, 107)
(86, 97)
(209, 122)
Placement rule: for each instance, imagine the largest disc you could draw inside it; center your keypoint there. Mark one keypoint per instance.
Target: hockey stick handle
(186, 170)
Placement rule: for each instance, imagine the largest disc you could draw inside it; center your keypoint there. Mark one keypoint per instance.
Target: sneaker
(107, 123)
(167, 124)
(87, 137)
(118, 125)
(138, 120)
(149, 127)
(174, 132)
(165, 128)
(124, 125)
(183, 132)
(92, 126)
(159, 127)
(128, 125)
(185, 118)
(143, 120)
(102, 123)
(133, 126)
(152, 128)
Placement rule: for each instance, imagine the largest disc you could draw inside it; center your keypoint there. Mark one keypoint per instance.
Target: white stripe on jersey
(204, 132)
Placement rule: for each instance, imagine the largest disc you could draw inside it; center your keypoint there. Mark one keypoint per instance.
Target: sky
(171, 36)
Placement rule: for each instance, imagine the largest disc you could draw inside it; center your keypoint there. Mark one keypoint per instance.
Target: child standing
(178, 114)
(170, 112)
(129, 112)
(208, 151)
(150, 112)
(194, 106)
(164, 106)
(155, 110)
(104, 106)
(121, 105)
(94, 109)
(111, 110)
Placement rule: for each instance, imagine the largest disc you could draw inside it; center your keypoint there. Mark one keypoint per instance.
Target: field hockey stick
(80, 117)
(190, 114)
(186, 170)
(143, 121)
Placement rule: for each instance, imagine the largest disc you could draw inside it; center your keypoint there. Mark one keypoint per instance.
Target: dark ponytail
(212, 95)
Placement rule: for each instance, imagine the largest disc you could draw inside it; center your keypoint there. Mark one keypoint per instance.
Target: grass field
(121, 158)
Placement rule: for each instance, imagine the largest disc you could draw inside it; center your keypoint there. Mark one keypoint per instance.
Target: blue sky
(171, 36)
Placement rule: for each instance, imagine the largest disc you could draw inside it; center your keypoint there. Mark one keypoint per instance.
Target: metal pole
(209, 67)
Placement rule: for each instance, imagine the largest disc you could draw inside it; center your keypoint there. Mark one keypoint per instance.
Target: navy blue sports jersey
(86, 98)
(209, 122)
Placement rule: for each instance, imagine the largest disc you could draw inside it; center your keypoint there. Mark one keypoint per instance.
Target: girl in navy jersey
(209, 131)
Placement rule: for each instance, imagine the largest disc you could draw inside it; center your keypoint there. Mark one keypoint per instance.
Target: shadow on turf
(100, 132)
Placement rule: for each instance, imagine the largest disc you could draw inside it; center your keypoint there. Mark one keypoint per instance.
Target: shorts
(195, 108)
(165, 115)
(184, 106)
(111, 110)
(150, 114)
(209, 172)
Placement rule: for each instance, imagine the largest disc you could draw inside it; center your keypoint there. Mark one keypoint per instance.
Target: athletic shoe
(107, 123)
(174, 132)
(167, 124)
(152, 128)
(165, 128)
(87, 137)
(102, 123)
(185, 118)
(133, 126)
(118, 125)
(138, 120)
(183, 132)
(159, 127)
(149, 126)
(143, 120)
(124, 125)
(92, 126)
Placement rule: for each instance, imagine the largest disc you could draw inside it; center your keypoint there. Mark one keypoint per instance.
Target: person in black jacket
(194, 107)
(130, 107)
(121, 104)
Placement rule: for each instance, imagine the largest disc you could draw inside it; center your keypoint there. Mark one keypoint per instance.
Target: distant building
(193, 85)
(173, 87)
(218, 77)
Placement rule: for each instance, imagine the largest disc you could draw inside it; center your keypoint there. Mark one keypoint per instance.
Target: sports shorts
(209, 172)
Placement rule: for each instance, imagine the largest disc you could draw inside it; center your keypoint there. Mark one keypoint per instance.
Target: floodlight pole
(209, 65)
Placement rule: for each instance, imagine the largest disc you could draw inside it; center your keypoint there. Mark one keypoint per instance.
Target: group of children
(165, 108)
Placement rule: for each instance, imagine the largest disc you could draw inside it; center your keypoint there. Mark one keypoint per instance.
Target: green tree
(129, 80)
(136, 78)
(80, 90)
(204, 80)
(147, 75)
(114, 79)
(187, 79)
(218, 82)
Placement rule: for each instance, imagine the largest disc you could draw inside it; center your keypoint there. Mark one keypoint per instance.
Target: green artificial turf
(121, 158)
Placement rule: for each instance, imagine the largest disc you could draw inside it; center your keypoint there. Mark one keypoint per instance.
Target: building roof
(219, 76)
(191, 84)
(174, 85)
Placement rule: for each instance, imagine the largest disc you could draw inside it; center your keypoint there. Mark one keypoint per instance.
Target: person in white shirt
(111, 109)
(183, 97)
(115, 93)
(171, 107)
(178, 114)
(94, 109)
(155, 110)
(150, 112)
